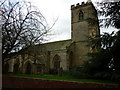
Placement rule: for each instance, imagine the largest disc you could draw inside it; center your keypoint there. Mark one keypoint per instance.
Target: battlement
(79, 5)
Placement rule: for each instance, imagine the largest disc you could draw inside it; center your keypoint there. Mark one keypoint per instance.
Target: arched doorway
(5, 68)
(56, 60)
(16, 68)
(28, 68)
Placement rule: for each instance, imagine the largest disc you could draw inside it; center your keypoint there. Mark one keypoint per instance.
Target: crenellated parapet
(80, 5)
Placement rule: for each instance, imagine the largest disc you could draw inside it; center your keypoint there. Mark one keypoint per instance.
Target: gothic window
(56, 60)
(28, 68)
(80, 16)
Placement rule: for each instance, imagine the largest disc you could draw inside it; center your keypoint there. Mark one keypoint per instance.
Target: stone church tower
(84, 23)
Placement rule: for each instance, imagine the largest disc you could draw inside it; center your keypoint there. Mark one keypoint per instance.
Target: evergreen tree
(107, 57)
(111, 10)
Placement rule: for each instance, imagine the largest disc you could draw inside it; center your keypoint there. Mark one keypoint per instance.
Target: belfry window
(80, 16)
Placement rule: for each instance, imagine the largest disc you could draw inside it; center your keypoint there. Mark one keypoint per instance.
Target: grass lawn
(65, 78)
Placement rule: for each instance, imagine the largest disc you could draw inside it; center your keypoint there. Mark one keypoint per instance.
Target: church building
(64, 54)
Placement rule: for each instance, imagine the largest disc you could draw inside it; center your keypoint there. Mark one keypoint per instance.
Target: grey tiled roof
(58, 45)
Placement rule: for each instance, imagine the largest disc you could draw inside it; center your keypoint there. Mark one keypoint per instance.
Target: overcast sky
(53, 9)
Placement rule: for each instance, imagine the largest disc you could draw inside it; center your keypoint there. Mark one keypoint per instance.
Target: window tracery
(81, 15)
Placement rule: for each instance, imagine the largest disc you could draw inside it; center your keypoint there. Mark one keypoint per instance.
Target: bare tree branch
(22, 25)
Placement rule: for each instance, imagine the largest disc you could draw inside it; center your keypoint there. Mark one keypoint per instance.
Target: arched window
(81, 15)
(28, 68)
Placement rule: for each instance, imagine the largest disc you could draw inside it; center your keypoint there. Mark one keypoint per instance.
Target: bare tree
(22, 25)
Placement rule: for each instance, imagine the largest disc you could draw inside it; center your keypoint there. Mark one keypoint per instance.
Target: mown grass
(65, 78)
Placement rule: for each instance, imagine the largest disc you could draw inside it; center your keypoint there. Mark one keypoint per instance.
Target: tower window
(81, 16)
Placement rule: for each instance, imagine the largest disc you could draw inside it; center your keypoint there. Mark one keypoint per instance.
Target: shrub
(107, 76)
(77, 73)
(102, 75)
(115, 77)
(53, 71)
